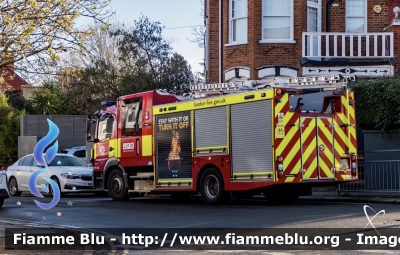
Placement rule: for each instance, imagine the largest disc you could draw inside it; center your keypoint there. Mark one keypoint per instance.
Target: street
(88, 211)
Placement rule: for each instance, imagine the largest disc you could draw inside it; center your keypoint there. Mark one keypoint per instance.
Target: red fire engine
(277, 138)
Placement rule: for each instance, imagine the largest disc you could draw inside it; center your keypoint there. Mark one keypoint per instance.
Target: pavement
(326, 194)
(331, 194)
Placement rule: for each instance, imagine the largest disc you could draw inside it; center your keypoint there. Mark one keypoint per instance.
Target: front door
(105, 147)
(131, 131)
(313, 25)
(317, 148)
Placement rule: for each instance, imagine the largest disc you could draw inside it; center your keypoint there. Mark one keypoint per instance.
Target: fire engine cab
(278, 139)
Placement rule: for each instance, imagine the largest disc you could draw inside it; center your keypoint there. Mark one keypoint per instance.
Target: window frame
(106, 126)
(128, 131)
(80, 153)
(365, 18)
(31, 160)
(231, 19)
(291, 39)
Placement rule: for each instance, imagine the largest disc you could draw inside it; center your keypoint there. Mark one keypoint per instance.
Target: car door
(24, 172)
(40, 180)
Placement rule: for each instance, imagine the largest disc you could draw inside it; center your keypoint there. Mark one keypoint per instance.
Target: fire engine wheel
(212, 187)
(1, 202)
(116, 187)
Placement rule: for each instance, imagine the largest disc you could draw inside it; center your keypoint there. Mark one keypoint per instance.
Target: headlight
(70, 176)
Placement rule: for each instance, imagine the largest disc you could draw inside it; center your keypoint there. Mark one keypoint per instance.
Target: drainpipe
(205, 41)
(220, 46)
(328, 15)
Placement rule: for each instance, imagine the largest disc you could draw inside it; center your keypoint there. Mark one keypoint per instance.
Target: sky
(172, 14)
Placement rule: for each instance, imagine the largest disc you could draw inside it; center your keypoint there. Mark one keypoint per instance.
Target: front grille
(86, 177)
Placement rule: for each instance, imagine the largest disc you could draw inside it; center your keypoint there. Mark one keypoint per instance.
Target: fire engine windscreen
(313, 102)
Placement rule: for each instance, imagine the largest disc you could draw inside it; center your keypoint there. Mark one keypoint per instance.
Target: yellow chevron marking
(313, 165)
(296, 170)
(310, 149)
(286, 140)
(324, 167)
(341, 133)
(279, 106)
(290, 157)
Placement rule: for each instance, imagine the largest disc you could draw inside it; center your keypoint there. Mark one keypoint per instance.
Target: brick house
(261, 39)
(14, 83)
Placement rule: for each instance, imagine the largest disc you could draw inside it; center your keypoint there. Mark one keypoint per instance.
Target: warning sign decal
(280, 130)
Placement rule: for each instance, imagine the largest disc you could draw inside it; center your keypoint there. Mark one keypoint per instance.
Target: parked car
(69, 172)
(79, 151)
(3, 186)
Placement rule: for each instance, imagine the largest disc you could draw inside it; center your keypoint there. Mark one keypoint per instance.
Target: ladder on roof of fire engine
(329, 82)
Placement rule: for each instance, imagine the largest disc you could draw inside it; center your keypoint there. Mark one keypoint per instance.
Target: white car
(69, 172)
(79, 151)
(3, 187)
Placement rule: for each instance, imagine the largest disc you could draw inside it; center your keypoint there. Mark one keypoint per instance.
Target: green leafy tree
(9, 131)
(48, 101)
(378, 104)
(124, 60)
(16, 101)
(149, 59)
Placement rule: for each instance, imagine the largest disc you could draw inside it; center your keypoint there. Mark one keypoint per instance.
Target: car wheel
(212, 187)
(1, 202)
(13, 187)
(116, 187)
(55, 179)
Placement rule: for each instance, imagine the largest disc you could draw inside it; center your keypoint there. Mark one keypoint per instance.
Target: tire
(55, 179)
(13, 187)
(212, 187)
(116, 186)
(1, 202)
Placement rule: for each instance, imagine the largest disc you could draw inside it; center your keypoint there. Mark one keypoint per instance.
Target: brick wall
(256, 54)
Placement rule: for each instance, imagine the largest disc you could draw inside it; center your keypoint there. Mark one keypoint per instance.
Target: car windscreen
(60, 160)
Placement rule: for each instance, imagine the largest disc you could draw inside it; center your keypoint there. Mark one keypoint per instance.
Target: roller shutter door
(211, 127)
(251, 137)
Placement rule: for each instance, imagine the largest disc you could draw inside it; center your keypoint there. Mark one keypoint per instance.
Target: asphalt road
(87, 211)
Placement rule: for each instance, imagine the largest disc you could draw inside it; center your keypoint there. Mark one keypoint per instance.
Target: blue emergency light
(108, 103)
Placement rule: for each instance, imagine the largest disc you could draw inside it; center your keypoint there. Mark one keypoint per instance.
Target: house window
(356, 16)
(238, 21)
(277, 20)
